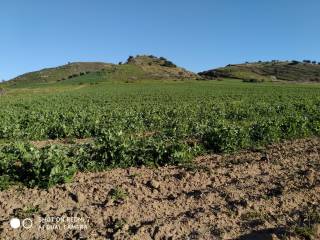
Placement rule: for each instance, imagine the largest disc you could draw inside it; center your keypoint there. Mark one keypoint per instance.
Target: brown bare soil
(267, 194)
(65, 141)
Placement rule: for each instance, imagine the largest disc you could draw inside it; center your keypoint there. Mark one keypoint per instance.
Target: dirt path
(271, 194)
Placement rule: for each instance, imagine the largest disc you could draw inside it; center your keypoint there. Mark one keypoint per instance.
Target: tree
(294, 62)
(129, 59)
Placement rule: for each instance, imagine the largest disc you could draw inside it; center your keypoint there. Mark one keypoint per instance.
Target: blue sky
(197, 35)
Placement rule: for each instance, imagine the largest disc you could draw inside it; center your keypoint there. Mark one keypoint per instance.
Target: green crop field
(118, 124)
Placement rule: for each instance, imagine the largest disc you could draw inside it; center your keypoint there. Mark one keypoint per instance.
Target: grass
(138, 68)
(305, 232)
(51, 75)
(27, 211)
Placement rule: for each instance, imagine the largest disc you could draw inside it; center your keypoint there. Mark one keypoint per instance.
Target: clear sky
(195, 34)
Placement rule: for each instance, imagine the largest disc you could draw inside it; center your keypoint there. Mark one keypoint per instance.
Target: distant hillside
(61, 73)
(135, 68)
(160, 67)
(268, 71)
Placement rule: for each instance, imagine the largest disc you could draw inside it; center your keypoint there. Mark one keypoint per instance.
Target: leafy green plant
(143, 123)
(32, 167)
(118, 194)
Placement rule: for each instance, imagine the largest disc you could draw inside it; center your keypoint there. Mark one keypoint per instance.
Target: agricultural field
(51, 133)
(147, 123)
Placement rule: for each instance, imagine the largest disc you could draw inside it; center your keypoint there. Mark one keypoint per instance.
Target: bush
(253, 80)
(168, 64)
(130, 58)
(294, 62)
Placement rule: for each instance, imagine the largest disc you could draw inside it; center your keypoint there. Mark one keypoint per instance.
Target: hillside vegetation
(160, 68)
(60, 73)
(198, 159)
(268, 71)
(135, 68)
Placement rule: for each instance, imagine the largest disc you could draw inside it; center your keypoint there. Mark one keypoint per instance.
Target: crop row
(134, 126)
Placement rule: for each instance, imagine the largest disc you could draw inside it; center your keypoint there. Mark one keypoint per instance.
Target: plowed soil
(267, 194)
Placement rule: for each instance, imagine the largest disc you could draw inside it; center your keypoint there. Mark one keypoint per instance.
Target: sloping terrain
(268, 71)
(267, 194)
(61, 73)
(160, 67)
(136, 68)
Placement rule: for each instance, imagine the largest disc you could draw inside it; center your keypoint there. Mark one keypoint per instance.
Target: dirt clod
(153, 184)
(234, 196)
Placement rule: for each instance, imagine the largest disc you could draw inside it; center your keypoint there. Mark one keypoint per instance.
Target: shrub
(130, 58)
(168, 64)
(253, 80)
(294, 62)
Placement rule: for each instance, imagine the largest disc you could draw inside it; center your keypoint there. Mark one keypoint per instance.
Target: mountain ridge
(149, 67)
(273, 71)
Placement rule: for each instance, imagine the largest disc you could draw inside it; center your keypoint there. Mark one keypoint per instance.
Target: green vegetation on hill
(136, 68)
(61, 73)
(160, 68)
(268, 71)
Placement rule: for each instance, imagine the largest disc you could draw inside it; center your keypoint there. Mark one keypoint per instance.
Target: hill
(61, 73)
(268, 71)
(135, 68)
(160, 67)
